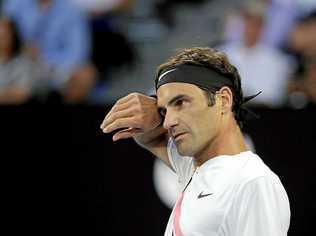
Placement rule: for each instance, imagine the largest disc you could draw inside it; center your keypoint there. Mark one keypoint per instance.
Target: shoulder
(257, 177)
(255, 168)
(228, 174)
(260, 207)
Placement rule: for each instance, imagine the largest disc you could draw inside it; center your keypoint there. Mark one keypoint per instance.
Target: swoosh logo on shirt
(204, 195)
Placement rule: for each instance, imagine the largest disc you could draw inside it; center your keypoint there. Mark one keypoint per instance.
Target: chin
(184, 150)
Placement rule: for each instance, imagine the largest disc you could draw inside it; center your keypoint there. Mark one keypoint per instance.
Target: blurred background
(63, 63)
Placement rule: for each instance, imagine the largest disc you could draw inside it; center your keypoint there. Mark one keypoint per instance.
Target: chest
(204, 207)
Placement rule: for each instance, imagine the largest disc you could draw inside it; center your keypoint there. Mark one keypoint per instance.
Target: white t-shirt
(229, 195)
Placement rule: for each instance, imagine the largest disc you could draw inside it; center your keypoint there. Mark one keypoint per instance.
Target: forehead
(168, 91)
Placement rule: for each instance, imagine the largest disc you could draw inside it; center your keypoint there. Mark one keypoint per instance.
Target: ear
(226, 96)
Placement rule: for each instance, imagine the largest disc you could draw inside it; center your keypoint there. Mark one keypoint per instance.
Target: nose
(171, 120)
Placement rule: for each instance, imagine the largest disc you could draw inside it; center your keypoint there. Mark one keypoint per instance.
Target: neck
(229, 141)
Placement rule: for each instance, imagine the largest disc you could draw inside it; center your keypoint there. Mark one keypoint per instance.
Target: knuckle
(138, 98)
(112, 109)
(112, 117)
(134, 95)
(119, 101)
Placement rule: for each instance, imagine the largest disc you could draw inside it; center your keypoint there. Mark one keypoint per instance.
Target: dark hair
(215, 60)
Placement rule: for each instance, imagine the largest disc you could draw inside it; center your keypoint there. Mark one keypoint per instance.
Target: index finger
(129, 112)
(116, 108)
(128, 122)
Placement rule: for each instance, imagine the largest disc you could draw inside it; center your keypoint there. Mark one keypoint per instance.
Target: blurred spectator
(280, 18)
(20, 77)
(261, 67)
(303, 36)
(111, 49)
(165, 9)
(302, 43)
(57, 33)
(101, 6)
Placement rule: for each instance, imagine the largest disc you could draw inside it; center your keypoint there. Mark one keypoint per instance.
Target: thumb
(125, 133)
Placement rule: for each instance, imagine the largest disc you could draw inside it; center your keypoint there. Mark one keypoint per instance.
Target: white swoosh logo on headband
(165, 73)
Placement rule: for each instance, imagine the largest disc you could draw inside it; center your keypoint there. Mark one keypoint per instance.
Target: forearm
(136, 116)
(156, 142)
(152, 138)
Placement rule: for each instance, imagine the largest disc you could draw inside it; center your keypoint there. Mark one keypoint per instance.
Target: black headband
(209, 79)
(192, 74)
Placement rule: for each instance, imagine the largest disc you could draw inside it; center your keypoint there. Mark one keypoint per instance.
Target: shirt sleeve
(261, 208)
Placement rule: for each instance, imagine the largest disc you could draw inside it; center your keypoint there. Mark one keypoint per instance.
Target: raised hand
(131, 115)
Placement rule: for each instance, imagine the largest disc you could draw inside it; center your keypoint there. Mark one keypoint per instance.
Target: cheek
(206, 124)
(199, 123)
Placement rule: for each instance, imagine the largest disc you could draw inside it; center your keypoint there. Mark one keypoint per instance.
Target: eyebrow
(174, 100)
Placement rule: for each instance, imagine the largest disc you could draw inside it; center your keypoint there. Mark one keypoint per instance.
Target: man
(261, 66)
(21, 79)
(57, 34)
(226, 189)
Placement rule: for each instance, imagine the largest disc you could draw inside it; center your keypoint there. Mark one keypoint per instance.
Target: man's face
(190, 121)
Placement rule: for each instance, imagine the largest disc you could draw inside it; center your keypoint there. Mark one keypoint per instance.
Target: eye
(179, 102)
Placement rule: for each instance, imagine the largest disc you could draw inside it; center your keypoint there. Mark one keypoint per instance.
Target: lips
(175, 137)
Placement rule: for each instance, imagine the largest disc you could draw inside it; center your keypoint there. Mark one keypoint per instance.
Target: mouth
(178, 136)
